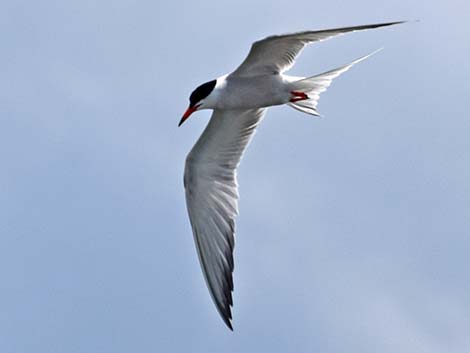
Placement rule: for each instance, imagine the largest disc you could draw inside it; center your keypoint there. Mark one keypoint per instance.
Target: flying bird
(239, 101)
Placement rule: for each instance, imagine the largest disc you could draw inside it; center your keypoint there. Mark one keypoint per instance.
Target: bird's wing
(276, 54)
(212, 197)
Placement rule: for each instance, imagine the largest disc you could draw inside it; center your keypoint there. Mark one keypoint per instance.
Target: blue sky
(353, 234)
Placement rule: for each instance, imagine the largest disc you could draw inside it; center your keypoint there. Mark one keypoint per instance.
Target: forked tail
(314, 85)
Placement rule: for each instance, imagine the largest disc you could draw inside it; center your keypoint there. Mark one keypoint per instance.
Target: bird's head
(198, 99)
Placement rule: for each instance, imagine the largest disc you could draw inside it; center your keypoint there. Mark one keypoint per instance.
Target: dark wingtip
(388, 24)
(229, 324)
(226, 315)
(397, 22)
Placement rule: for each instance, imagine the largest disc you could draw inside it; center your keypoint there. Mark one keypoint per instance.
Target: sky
(353, 234)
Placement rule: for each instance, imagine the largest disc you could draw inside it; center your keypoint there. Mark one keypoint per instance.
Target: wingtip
(228, 320)
(224, 309)
(395, 22)
(386, 24)
(400, 22)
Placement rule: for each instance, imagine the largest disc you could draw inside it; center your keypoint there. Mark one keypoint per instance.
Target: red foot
(298, 96)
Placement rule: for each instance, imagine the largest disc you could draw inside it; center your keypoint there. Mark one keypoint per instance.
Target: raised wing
(276, 54)
(212, 197)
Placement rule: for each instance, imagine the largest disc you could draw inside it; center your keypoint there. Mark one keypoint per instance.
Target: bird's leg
(298, 96)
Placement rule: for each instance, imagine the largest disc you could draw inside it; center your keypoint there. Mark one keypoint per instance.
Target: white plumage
(239, 101)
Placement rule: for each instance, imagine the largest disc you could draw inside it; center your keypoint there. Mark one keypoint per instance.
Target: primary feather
(276, 54)
(210, 180)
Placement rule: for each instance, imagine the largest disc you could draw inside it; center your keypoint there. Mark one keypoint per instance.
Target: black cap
(201, 92)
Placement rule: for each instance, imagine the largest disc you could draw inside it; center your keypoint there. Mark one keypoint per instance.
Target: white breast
(250, 92)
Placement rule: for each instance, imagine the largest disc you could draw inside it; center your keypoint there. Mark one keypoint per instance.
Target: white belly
(253, 92)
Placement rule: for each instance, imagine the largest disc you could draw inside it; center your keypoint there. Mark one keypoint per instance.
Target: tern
(239, 101)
